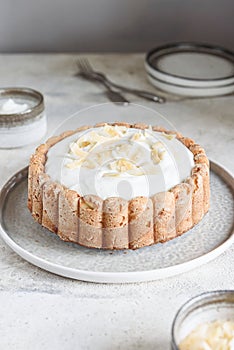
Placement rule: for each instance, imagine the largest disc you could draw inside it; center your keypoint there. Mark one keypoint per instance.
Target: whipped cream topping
(12, 107)
(114, 161)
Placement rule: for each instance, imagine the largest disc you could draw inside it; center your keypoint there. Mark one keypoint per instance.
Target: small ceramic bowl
(21, 127)
(207, 307)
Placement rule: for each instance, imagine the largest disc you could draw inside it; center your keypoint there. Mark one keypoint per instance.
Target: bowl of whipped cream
(22, 117)
(205, 322)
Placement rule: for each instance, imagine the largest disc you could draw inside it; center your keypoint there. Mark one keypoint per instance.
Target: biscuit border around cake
(115, 223)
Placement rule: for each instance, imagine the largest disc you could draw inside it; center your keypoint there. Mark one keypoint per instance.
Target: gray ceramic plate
(42, 248)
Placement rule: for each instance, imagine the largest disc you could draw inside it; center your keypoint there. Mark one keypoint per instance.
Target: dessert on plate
(118, 186)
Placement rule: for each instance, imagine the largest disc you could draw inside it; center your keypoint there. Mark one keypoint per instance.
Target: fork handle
(147, 95)
(141, 93)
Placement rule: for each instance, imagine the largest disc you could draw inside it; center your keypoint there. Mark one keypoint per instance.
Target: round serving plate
(42, 248)
(191, 91)
(191, 65)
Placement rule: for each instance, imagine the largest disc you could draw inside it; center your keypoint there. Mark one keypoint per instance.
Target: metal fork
(87, 71)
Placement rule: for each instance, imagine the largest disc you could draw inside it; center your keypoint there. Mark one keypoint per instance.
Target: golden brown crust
(35, 181)
(68, 225)
(187, 141)
(37, 203)
(141, 229)
(90, 221)
(127, 125)
(83, 128)
(164, 216)
(141, 126)
(183, 207)
(116, 223)
(50, 211)
(196, 182)
(201, 158)
(158, 128)
(203, 170)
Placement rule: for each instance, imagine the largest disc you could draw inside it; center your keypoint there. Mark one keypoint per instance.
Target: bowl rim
(30, 114)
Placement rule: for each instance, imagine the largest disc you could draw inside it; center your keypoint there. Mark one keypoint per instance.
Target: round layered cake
(118, 186)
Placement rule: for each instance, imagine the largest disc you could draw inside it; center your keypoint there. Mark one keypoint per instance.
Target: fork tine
(84, 65)
(88, 64)
(81, 65)
(86, 68)
(79, 62)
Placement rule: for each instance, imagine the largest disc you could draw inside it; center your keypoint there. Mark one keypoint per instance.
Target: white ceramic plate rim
(191, 91)
(185, 81)
(123, 277)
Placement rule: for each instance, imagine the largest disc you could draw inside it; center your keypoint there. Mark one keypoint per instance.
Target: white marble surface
(44, 311)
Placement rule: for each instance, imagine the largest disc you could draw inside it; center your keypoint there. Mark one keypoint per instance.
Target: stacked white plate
(191, 69)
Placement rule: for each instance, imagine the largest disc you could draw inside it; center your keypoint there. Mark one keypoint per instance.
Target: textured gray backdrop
(112, 25)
